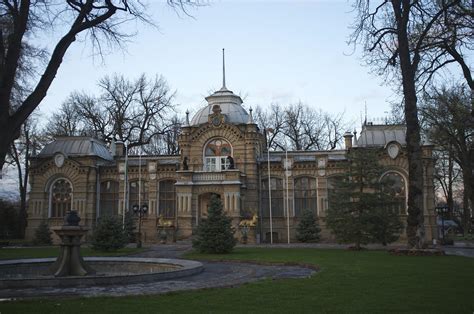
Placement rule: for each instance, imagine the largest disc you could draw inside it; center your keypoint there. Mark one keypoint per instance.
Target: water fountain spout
(70, 261)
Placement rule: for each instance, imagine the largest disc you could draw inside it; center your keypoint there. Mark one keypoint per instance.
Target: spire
(250, 120)
(187, 117)
(223, 69)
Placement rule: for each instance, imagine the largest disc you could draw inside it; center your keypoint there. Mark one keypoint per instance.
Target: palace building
(223, 152)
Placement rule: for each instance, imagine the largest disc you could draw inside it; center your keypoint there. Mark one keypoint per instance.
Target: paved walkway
(215, 274)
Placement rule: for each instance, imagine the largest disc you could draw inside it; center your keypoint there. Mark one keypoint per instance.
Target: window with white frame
(217, 155)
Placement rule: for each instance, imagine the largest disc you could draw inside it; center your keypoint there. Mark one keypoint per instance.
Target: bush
(109, 235)
(215, 234)
(43, 235)
(308, 229)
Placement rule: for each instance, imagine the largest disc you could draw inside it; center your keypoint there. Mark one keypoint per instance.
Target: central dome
(230, 105)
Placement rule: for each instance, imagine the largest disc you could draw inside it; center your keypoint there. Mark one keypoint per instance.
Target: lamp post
(269, 130)
(442, 210)
(140, 211)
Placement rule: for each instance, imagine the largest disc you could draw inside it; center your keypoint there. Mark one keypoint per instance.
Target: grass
(53, 251)
(349, 282)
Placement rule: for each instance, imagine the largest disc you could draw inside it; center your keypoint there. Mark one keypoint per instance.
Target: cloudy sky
(276, 52)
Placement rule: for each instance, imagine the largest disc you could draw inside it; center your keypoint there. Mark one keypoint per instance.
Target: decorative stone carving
(393, 150)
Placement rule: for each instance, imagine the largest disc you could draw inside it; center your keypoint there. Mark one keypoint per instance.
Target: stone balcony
(209, 178)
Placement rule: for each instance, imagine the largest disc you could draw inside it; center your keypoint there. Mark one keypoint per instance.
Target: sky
(276, 52)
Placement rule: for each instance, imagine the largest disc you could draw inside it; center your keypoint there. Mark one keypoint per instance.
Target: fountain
(70, 269)
(70, 262)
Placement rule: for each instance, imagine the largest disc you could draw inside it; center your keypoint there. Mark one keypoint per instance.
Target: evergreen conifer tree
(109, 234)
(43, 235)
(308, 229)
(360, 208)
(215, 234)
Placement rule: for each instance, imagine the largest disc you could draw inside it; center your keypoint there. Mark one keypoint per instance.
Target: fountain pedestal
(69, 261)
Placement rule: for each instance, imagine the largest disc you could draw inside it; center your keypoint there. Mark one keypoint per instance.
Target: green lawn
(53, 251)
(362, 282)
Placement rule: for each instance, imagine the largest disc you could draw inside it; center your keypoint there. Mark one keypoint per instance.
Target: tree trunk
(449, 196)
(415, 219)
(468, 199)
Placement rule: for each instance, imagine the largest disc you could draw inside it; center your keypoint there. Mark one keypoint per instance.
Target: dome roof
(230, 105)
(76, 146)
(381, 135)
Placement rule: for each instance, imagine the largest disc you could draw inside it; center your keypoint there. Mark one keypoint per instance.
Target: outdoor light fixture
(140, 211)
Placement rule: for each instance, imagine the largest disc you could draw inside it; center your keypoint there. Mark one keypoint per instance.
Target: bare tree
(166, 143)
(136, 112)
(100, 22)
(447, 115)
(66, 121)
(447, 175)
(299, 127)
(272, 123)
(20, 152)
(399, 41)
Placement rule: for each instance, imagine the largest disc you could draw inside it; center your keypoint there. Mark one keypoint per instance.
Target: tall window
(133, 194)
(395, 183)
(61, 198)
(216, 155)
(277, 197)
(305, 195)
(109, 198)
(167, 198)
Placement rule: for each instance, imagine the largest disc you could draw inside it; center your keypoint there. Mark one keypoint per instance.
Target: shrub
(43, 235)
(109, 235)
(308, 229)
(215, 234)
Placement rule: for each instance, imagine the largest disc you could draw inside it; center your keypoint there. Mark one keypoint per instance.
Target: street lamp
(140, 211)
(441, 211)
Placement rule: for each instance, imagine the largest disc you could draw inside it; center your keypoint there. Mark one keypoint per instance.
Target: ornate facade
(223, 152)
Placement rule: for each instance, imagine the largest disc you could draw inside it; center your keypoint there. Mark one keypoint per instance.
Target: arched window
(109, 198)
(61, 198)
(134, 198)
(218, 155)
(395, 183)
(167, 198)
(277, 197)
(305, 195)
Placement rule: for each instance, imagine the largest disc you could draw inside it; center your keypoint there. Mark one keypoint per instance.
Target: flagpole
(287, 196)
(269, 130)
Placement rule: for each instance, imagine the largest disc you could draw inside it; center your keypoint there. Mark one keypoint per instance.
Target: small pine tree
(109, 234)
(215, 234)
(43, 235)
(385, 225)
(308, 229)
(359, 206)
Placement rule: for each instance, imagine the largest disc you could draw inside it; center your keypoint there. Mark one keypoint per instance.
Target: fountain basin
(30, 273)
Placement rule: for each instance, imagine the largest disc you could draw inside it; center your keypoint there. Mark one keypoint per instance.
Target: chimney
(119, 148)
(348, 139)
